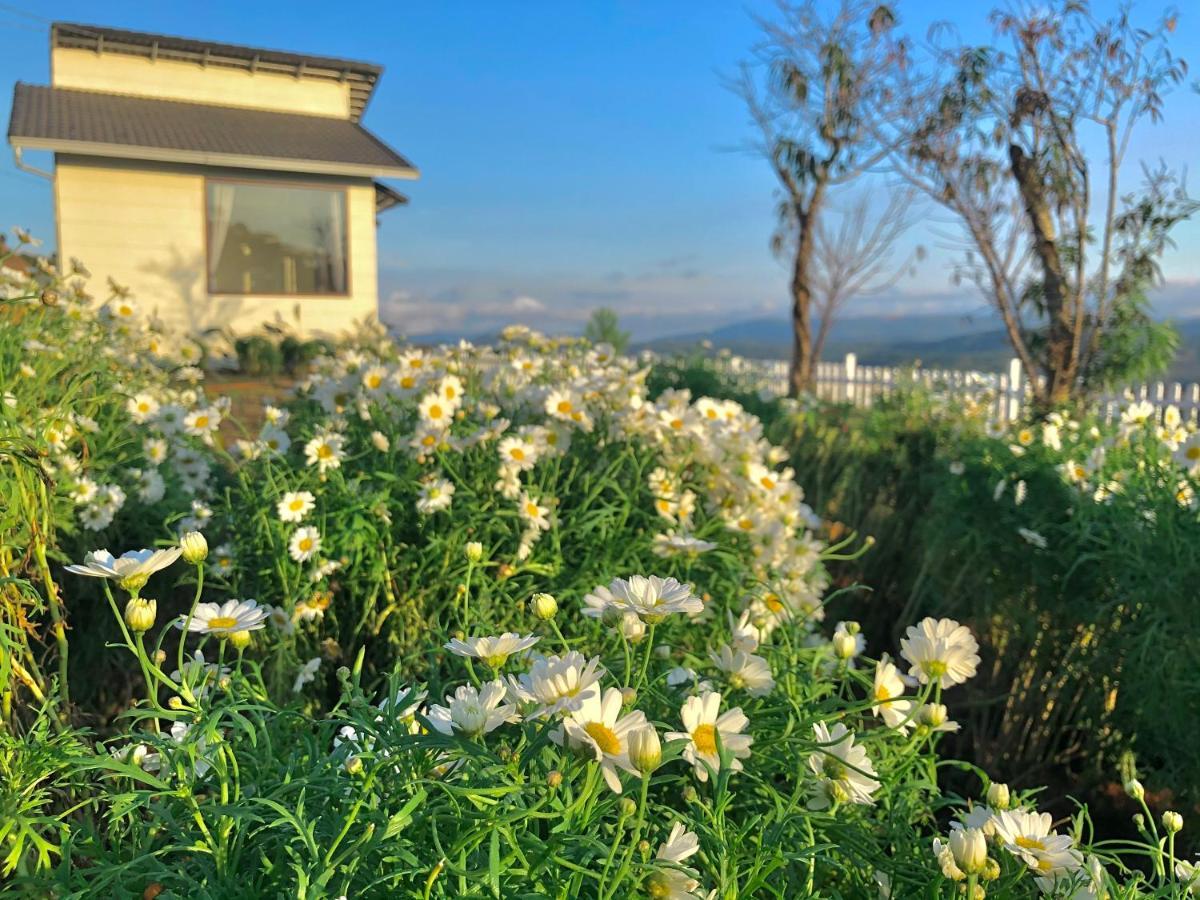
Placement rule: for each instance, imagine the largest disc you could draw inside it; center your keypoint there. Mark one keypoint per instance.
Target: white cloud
(526, 303)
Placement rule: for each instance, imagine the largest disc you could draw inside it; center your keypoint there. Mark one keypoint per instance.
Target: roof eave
(204, 158)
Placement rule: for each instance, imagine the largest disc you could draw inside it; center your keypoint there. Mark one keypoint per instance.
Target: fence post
(1016, 387)
(851, 367)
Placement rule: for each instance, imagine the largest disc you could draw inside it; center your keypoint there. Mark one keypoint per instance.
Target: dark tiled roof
(140, 128)
(361, 76)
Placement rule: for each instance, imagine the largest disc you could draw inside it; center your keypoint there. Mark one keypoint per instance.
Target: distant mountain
(939, 341)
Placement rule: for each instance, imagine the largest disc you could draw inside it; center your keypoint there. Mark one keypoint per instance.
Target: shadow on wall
(176, 293)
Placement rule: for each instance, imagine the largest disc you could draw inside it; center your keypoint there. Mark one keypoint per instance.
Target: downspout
(25, 167)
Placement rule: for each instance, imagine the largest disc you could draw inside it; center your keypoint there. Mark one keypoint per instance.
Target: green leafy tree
(605, 328)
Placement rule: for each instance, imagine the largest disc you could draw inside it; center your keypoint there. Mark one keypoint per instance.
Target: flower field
(482, 621)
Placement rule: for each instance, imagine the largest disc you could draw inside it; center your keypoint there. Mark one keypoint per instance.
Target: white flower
(1029, 837)
(675, 881)
(436, 495)
(130, 570)
(940, 651)
(202, 423)
(1032, 538)
(473, 712)
(703, 727)
(888, 689)
(307, 673)
(325, 452)
(557, 684)
(305, 544)
(598, 727)
(533, 513)
(744, 671)
(224, 619)
(653, 598)
(673, 544)
(142, 407)
(844, 773)
(518, 453)
(494, 651)
(295, 505)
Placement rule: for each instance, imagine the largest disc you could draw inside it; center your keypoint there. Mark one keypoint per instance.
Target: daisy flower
(142, 407)
(888, 689)
(130, 570)
(940, 651)
(672, 544)
(1029, 837)
(472, 712)
(652, 598)
(436, 495)
(436, 410)
(518, 453)
(671, 879)
(325, 452)
(598, 728)
(744, 671)
(843, 772)
(533, 513)
(295, 505)
(307, 673)
(202, 423)
(493, 651)
(305, 544)
(223, 619)
(703, 727)
(557, 684)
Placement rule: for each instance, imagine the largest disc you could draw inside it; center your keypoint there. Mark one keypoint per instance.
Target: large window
(275, 239)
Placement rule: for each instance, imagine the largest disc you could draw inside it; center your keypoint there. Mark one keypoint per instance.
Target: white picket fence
(1006, 393)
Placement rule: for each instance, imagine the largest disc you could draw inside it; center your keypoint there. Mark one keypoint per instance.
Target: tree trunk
(1061, 351)
(803, 364)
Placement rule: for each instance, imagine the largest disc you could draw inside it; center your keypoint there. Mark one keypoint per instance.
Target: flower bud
(175, 702)
(1134, 789)
(140, 614)
(690, 794)
(194, 547)
(353, 765)
(846, 640)
(932, 714)
(969, 847)
(240, 639)
(645, 749)
(474, 551)
(627, 806)
(991, 870)
(628, 696)
(998, 796)
(553, 778)
(1172, 821)
(544, 606)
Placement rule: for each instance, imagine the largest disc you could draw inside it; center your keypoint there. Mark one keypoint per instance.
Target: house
(223, 185)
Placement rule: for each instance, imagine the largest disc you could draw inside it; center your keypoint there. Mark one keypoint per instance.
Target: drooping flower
(223, 619)
(131, 570)
(703, 726)
(671, 879)
(493, 651)
(844, 773)
(940, 651)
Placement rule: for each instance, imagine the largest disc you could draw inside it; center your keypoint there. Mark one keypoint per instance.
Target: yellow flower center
(222, 623)
(407, 382)
(532, 510)
(324, 451)
(773, 603)
(1192, 453)
(934, 668)
(517, 453)
(564, 406)
(745, 524)
(1029, 843)
(296, 505)
(435, 412)
(768, 483)
(201, 421)
(305, 544)
(605, 738)
(374, 381)
(677, 424)
(449, 392)
(705, 738)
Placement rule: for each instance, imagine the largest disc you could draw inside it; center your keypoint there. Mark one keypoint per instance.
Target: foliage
(603, 327)
(362, 728)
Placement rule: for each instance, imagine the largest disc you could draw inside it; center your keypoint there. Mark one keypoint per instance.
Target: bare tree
(854, 253)
(998, 137)
(808, 88)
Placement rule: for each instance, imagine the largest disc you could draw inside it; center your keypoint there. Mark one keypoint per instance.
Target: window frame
(272, 182)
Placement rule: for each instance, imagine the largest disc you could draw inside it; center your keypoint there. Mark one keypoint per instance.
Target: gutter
(25, 167)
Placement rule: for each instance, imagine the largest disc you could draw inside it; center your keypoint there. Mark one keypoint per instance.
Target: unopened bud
(160, 657)
(474, 551)
(175, 702)
(544, 606)
(991, 870)
(554, 778)
(628, 696)
(353, 765)
(645, 749)
(1134, 789)
(627, 806)
(140, 614)
(49, 297)
(932, 714)
(1172, 821)
(195, 547)
(240, 639)
(969, 847)
(998, 796)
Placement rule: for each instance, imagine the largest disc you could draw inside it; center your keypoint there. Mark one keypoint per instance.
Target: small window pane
(273, 239)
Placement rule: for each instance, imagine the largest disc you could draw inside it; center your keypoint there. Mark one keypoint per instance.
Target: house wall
(143, 225)
(168, 79)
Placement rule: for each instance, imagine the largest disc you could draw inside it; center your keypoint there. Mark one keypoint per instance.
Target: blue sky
(572, 154)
